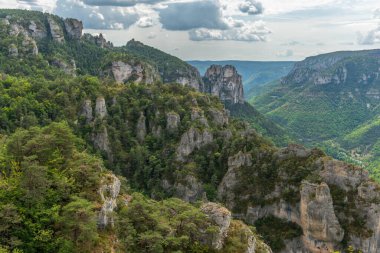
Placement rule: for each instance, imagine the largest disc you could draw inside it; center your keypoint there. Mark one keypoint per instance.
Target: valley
(109, 148)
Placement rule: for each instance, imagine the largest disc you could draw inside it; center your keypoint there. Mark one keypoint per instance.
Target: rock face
(315, 211)
(109, 191)
(133, 72)
(225, 83)
(86, 111)
(191, 140)
(321, 227)
(68, 68)
(228, 228)
(74, 28)
(172, 121)
(101, 141)
(222, 218)
(37, 31)
(230, 179)
(141, 127)
(100, 107)
(333, 68)
(55, 30)
(188, 188)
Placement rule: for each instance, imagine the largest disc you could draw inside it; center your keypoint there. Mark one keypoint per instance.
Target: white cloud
(95, 17)
(253, 31)
(370, 38)
(145, 22)
(251, 7)
(120, 3)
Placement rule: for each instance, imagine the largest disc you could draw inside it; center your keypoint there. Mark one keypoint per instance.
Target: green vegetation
(340, 116)
(275, 231)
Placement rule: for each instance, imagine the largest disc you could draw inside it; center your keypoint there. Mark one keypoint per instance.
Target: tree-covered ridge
(50, 202)
(168, 140)
(342, 90)
(171, 68)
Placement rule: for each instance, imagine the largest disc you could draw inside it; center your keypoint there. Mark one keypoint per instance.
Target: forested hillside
(121, 161)
(331, 100)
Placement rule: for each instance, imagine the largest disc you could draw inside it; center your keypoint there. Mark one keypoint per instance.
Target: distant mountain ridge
(332, 100)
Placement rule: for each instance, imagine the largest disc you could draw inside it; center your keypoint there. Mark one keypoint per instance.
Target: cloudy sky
(227, 29)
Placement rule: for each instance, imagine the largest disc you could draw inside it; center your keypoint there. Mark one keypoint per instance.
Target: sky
(257, 30)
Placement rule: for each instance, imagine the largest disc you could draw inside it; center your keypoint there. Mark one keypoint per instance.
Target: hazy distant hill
(255, 73)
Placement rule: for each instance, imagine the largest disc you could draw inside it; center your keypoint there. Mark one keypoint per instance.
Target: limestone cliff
(225, 83)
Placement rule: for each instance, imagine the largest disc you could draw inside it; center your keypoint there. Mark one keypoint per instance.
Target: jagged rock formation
(191, 140)
(189, 188)
(324, 223)
(222, 218)
(37, 31)
(225, 83)
(109, 191)
(55, 30)
(172, 121)
(74, 28)
(86, 111)
(133, 72)
(141, 127)
(100, 107)
(319, 222)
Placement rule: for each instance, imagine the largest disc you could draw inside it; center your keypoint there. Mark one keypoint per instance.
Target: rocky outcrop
(332, 68)
(172, 121)
(141, 127)
(86, 111)
(219, 118)
(100, 108)
(29, 46)
(230, 179)
(191, 140)
(124, 72)
(68, 68)
(190, 77)
(55, 30)
(101, 141)
(221, 217)
(225, 83)
(37, 31)
(109, 191)
(315, 211)
(322, 231)
(232, 230)
(73, 28)
(189, 189)
(197, 114)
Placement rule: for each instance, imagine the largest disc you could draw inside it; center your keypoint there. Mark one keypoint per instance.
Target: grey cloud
(249, 32)
(251, 7)
(192, 15)
(95, 17)
(371, 38)
(376, 13)
(122, 3)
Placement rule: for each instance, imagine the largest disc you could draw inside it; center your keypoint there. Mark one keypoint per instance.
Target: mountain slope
(342, 92)
(167, 140)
